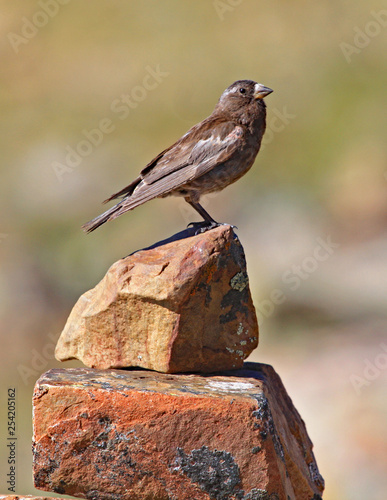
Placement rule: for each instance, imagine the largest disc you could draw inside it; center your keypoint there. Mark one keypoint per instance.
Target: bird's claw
(202, 227)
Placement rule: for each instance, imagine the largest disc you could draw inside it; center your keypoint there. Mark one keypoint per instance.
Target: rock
(26, 497)
(181, 306)
(136, 434)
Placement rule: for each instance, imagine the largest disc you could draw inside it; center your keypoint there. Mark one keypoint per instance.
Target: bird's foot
(202, 227)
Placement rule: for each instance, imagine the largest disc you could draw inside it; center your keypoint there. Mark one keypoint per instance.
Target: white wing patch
(214, 141)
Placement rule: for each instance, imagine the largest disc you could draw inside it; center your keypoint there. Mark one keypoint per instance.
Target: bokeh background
(312, 213)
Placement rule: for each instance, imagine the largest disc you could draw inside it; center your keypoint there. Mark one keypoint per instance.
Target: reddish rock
(132, 435)
(26, 497)
(181, 306)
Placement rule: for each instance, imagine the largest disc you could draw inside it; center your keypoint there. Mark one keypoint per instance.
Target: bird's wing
(202, 147)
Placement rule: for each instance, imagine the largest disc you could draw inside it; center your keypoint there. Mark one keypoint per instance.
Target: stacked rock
(167, 408)
(181, 306)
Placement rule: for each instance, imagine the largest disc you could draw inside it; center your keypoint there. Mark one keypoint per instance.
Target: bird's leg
(208, 223)
(200, 210)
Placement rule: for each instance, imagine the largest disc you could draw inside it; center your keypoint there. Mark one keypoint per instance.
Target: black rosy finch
(209, 157)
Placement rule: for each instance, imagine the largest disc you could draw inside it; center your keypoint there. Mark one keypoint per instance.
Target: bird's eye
(242, 90)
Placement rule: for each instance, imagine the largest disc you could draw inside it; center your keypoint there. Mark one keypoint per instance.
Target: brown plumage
(209, 157)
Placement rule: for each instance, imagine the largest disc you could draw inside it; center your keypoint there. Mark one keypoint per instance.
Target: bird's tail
(110, 214)
(113, 212)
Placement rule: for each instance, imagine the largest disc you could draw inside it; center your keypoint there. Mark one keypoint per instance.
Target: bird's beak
(260, 91)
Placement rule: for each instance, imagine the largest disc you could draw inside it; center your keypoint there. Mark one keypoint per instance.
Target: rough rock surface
(25, 497)
(181, 306)
(135, 434)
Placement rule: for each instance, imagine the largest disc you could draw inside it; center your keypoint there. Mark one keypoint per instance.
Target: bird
(211, 155)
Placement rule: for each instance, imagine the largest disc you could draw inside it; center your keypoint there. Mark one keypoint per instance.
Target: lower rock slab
(128, 435)
(25, 497)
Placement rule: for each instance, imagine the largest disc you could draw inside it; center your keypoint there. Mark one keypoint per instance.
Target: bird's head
(243, 98)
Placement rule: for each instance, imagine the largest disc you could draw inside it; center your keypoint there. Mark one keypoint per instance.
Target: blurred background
(92, 91)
